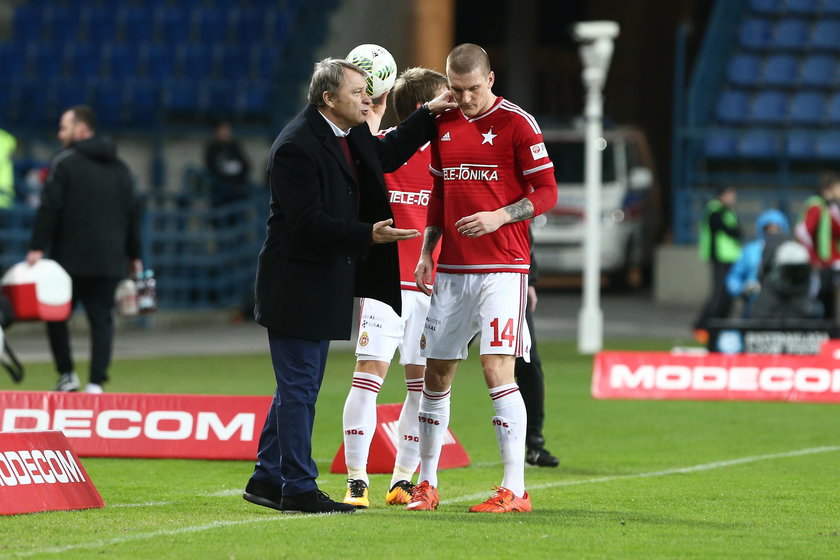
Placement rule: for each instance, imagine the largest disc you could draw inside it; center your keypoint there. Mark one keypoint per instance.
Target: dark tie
(345, 147)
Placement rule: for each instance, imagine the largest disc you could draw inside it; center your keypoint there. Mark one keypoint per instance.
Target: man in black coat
(329, 238)
(88, 219)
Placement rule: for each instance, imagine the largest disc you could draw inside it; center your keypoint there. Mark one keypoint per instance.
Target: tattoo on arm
(430, 238)
(520, 210)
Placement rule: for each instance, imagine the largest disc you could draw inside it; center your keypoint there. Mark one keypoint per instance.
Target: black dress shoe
(541, 458)
(264, 494)
(316, 501)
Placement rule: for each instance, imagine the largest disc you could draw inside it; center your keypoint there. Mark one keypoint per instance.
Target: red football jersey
(409, 188)
(482, 164)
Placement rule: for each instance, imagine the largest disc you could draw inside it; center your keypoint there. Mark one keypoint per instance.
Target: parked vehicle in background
(629, 206)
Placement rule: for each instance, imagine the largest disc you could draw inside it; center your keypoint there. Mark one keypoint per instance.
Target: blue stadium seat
(807, 108)
(759, 145)
(99, 22)
(802, 7)
(27, 22)
(721, 145)
(84, 60)
(74, 91)
(120, 60)
(45, 59)
(234, 63)
(828, 145)
(61, 23)
(755, 33)
(769, 107)
(818, 70)
(110, 101)
(249, 26)
(825, 35)
(831, 7)
(801, 145)
(212, 25)
(144, 98)
(156, 61)
(766, 7)
(12, 59)
(181, 96)
(193, 60)
(833, 109)
(744, 69)
(172, 25)
(733, 107)
(135, 24)
(220, 95)
(780, 69)
(791, 34)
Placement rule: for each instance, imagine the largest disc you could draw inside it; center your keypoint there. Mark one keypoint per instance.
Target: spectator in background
(8, 144)
(88, 220)
(744, 278)
(227, 165)
(819, 231)
(719, 244)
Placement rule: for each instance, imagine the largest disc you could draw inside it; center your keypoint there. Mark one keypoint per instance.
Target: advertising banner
(383, 447)
(751, 377)
(40, 472)
(142, 425)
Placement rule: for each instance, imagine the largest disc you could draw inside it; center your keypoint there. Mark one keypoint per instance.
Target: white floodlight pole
(596, 48)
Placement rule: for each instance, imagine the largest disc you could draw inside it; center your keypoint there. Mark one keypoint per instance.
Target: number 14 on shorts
(506, 334)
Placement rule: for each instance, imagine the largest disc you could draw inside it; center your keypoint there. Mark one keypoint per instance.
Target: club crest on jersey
(471, 172)
(363, 339)
(538, 151)
(488, 137)
(445, 137)
(422, 342)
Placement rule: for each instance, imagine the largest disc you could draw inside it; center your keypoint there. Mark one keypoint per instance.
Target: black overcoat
(318, 253)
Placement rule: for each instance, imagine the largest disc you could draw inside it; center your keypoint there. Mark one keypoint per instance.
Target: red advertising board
(713, 376)
(383, 446)
(142, 425)
(40, 472)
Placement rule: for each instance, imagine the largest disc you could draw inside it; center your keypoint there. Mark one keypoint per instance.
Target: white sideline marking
(681, 470)
(469, 497)
(154, 534)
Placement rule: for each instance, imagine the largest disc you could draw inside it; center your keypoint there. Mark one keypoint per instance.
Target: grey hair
(327, 76)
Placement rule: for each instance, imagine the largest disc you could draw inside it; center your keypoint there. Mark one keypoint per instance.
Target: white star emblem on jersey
(488, 137)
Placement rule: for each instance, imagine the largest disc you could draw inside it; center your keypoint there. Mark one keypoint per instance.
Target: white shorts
(463, 305)
(382, 331)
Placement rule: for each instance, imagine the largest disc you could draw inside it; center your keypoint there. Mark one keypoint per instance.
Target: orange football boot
(423, 498)
(504, 501)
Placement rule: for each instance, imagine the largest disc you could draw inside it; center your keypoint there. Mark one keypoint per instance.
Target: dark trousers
(96, 294)
(529, 377)
(719, 304)
(826, 295)
(284, 456)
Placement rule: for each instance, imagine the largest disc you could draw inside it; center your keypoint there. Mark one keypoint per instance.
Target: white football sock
(360, 423)
(510, 423)
(408, 433)
(433, 418)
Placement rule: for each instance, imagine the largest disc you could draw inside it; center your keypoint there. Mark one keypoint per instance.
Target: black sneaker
(315, 501)
(68, 382)
(541, 458)
(357, 493)
(264, 494)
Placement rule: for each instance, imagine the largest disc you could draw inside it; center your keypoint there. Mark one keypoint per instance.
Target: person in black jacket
(88, 220)
(531, 381)
(329, 238)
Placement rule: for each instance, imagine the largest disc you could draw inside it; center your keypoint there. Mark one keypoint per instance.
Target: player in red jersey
(381, 331)
(492, 174)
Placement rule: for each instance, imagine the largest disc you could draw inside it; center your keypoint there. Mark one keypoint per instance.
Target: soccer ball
(379, 65)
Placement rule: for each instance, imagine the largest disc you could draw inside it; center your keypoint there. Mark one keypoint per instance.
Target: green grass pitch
(638, 479)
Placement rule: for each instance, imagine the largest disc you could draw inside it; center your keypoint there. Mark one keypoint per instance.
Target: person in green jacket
(7, 174)
(719, 244)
